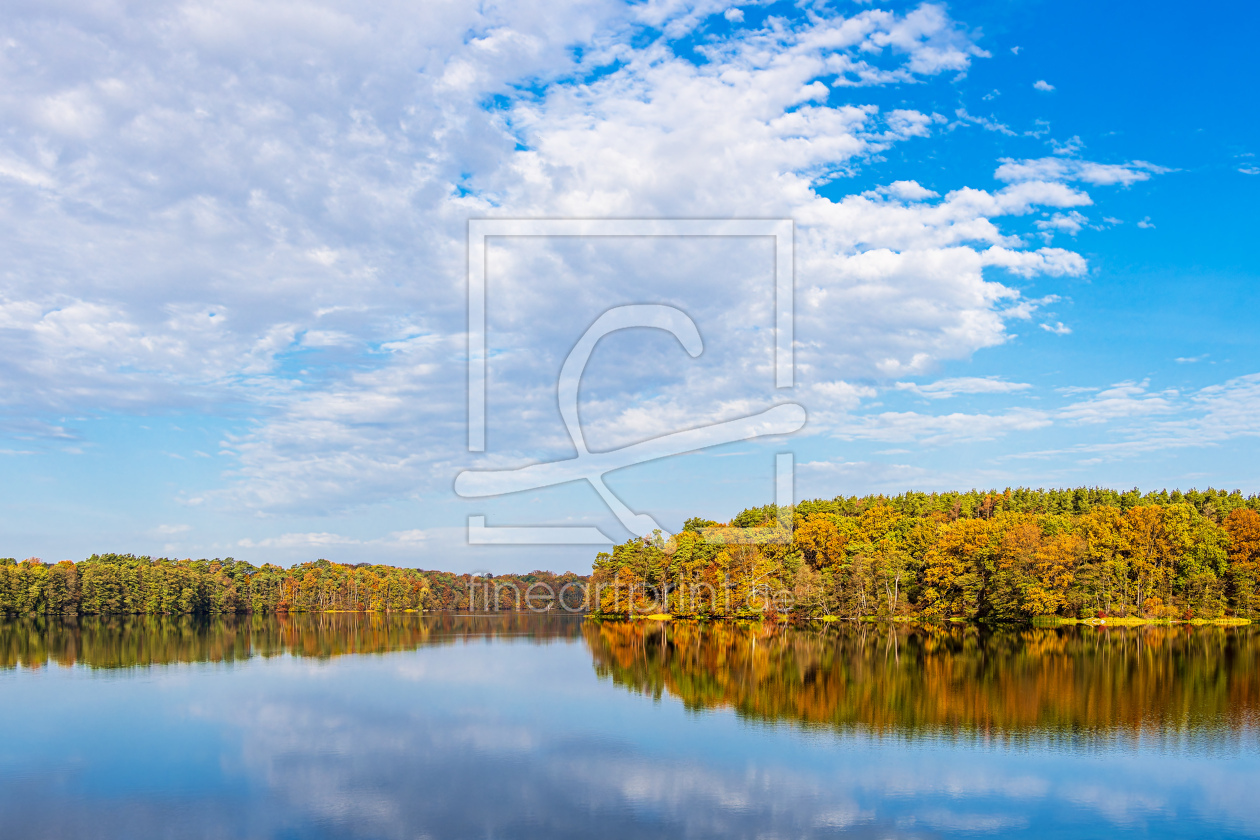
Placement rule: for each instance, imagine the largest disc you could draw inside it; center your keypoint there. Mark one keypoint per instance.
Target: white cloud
(909, 191)
(1146, 224)
(945, 388)
(1059, 328)
(931, 42)
(1166, 416)
(1070, 169)
(409, 537)
(987, 123)
(734, 15)
(1070, 222)
(819, 479)
(1043, 85)
(1209, 417)
(843, 395)
(323, 539)
(940, 429)
(1121, 401)
(892, 288)
(1071, 146)
(1041, 129)
(1055, 262)
(308, 540)
(263, 206)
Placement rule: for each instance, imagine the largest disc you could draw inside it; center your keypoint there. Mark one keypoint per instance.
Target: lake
(541, 726)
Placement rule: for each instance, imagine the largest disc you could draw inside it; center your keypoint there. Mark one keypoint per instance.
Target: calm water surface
(341, 726)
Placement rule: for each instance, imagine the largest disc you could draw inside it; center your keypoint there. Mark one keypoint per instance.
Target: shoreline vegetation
(1088, 555)
(124, 584)
(1047, 557)
(1042, 621)
(1134, 621)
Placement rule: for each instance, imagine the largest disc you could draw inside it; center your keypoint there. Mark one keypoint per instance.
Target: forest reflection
(1154, 683)
(1158, 684)
(142, 640)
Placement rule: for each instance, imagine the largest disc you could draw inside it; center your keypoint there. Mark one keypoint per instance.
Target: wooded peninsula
(1017, 554)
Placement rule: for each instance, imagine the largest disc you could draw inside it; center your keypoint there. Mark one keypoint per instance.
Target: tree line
(111, 584)
(489, 592)
(983, 555)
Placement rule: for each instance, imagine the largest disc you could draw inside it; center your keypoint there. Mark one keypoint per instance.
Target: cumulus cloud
(261, 209)
(1043, 85)
(843, 395)
(892, 283)
(1070, 222)
(909, 191)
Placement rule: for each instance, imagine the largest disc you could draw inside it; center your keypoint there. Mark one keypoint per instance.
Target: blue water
(517, 736)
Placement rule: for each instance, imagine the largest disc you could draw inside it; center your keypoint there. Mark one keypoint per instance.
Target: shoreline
(1036, 621)
(1131, 621)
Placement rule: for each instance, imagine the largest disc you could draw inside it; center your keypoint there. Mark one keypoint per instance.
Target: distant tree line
(112, 584)
(998, 555)
(450, 591)
(1007, 555)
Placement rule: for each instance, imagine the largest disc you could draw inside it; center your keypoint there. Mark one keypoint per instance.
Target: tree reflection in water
(141, 640)
(443, 725)
(948, 680)
(1154, 682)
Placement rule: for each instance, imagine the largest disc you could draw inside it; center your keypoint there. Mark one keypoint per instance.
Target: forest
(120, 584)
(1009, 555)
(124, 584)
(451, 591)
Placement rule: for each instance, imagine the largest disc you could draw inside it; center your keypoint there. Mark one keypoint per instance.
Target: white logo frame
(480, 230)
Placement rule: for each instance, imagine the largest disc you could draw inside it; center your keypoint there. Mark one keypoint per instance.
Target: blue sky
(233, 306)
